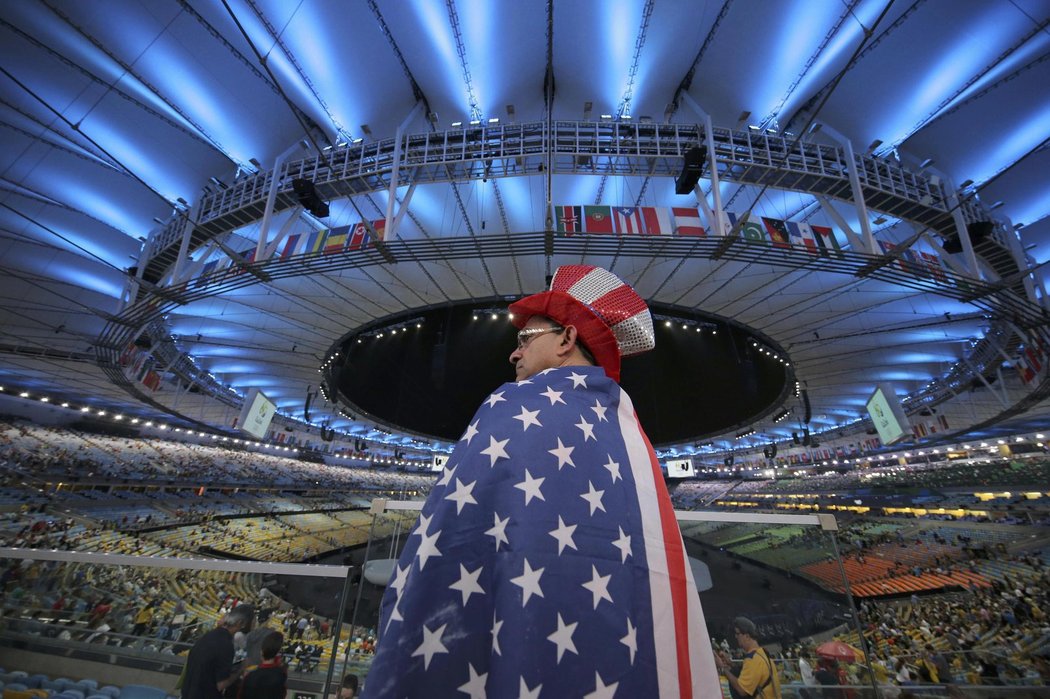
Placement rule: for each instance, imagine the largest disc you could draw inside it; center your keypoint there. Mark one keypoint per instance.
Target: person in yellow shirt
(758, 676)
(144, 618)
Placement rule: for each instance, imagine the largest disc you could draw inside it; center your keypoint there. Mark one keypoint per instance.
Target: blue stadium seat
(18, 673)
(35, 681)
(99, 696)
(110, 691)
(142, 691)
(15, 687)
(88, 683)
(53, 685)
(71, 692)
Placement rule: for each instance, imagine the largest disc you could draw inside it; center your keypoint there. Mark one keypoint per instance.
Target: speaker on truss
(808, 414)
(728, 461)
(770, 452)
(978, 231)
(795, 438)
(691, 170)
(309, 197)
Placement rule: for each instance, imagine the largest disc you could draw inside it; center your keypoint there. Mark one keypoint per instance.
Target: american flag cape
(546, 561)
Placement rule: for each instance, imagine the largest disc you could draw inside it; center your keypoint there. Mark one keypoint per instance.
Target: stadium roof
(138, 139)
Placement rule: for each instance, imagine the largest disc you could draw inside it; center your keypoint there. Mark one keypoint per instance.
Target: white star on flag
(495, 450)
(531, 487)
(562, 638)
(446, 476)
(400, 578)
(598, 586)
(495, 398)
(631, 639)
(587, 429)
(578, 380)
(497, 624)
(528, 417)
(499, 530)
(423, 525)
(462, 495)
(553, 396)
(564, 535)
(475, 686)
(593, 497)
(428, 548)
(563, 453)
(529, 582)
(624, 544)
(468, 583)
(613, 468)
(431, 645)
(525, 693)
(599, 410)
(472, 430)
(602, 690)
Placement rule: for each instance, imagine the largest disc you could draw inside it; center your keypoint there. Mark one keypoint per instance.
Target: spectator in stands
(347, 689)
(254, 644)
(270, 679)
(758, 678)
(144, 618)
(209, 665)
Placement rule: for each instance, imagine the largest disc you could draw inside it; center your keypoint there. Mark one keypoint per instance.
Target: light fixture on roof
(926, 163)
(965, 184)
(494, 120)
(366, 130)
(996, 205)
(874, 144)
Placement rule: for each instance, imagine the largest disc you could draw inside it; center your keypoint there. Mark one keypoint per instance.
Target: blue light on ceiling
(85, 279)
(439, 35)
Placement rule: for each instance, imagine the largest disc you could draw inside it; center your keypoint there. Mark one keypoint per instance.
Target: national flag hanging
(314, 241)
(1026, 372)
(657, 220)
(380, 226)
(205, 271)
(687, 221)
(360, 237)
(568, 219)
(289, 245)
(827, 241)
(752, 231)
(628, 220)
(777, 232)
(796, 238)
(336, 240)
(151, 381)
(933, 264)
(546, 560)
(597, 219)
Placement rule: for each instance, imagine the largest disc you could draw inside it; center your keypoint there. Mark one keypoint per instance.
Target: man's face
(537, 345)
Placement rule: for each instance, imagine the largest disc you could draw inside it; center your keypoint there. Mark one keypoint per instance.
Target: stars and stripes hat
(612, 320)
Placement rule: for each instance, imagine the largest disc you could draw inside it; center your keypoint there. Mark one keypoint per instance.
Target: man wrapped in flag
(547, 561)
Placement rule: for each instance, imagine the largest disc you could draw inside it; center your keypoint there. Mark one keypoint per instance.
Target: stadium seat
(142, 691)
(14, 687)
(99, 696)
(52, 685)
(71, 692)
(34, 681)
(110, 691)
(87, 683)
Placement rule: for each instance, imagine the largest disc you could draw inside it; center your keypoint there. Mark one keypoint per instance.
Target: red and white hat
(612, 320)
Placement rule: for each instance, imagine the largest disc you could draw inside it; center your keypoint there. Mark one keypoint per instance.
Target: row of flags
(1031, 360)
(328, 241)
(139, 365)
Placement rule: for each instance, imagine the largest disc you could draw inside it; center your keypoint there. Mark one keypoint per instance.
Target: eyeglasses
(525, 336)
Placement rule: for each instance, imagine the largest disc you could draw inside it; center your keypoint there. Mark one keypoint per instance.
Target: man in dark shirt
(209, 666)
(269, 680)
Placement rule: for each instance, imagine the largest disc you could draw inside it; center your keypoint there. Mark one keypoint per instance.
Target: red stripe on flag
(672, 537)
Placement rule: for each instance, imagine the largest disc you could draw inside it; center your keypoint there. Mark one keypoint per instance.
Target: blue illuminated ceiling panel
(109, 115)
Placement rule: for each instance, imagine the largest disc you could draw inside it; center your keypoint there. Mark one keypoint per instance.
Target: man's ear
(569, 340)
